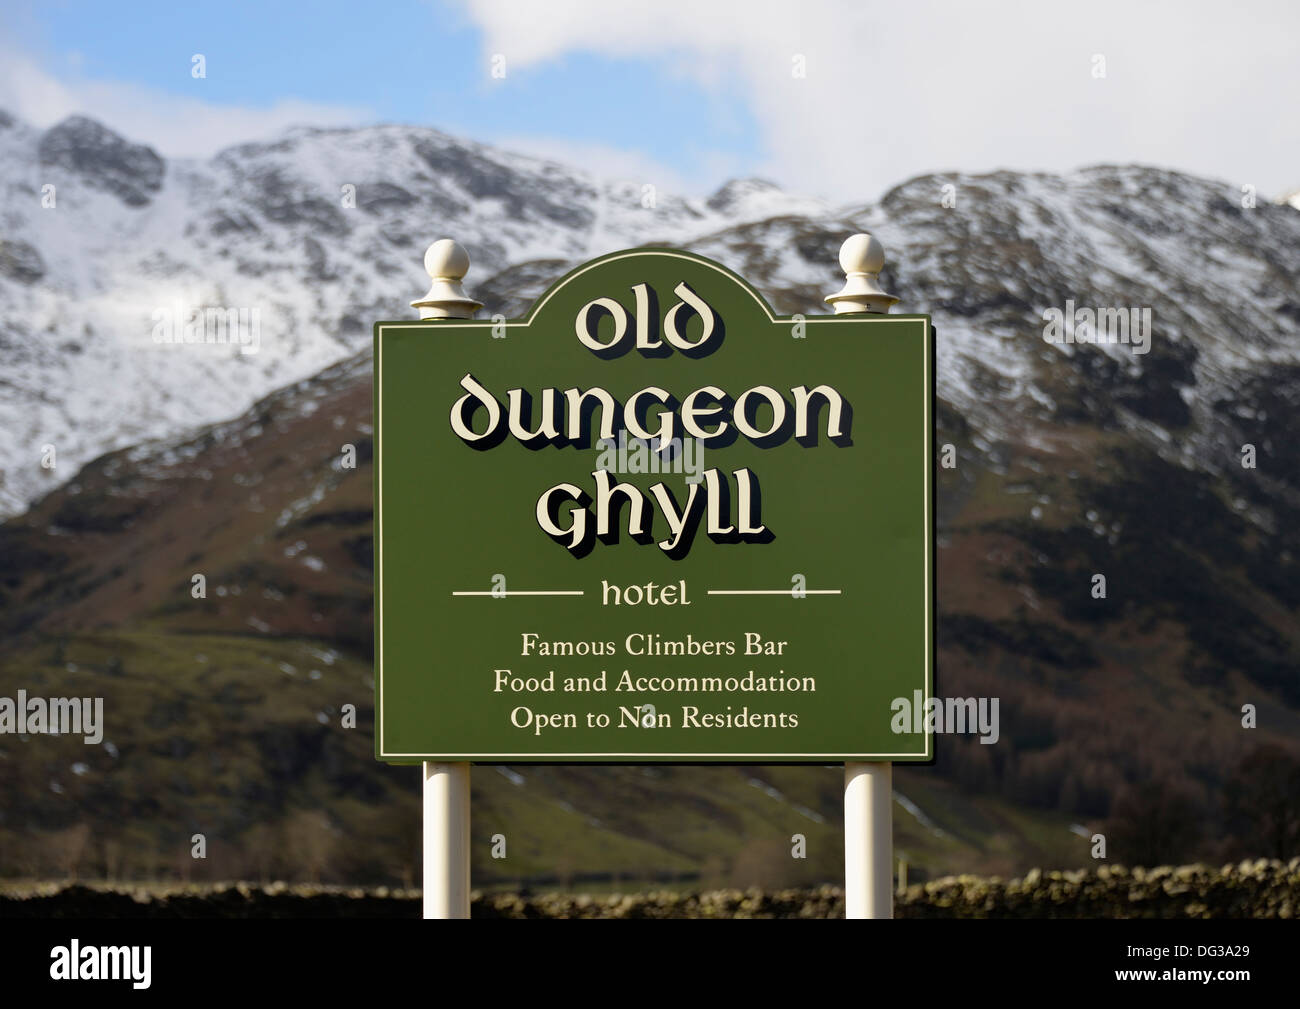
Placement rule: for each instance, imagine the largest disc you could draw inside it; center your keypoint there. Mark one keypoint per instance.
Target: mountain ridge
(314, 229)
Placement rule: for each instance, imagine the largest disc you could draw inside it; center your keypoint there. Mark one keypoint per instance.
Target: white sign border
(534, 757)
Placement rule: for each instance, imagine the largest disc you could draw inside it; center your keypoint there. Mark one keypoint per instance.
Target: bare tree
(310, 840)
(1262, 804)
(1153, 824)
(68, 847)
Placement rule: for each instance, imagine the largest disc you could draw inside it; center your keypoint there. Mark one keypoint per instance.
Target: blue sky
(407, 62)
(687, 93)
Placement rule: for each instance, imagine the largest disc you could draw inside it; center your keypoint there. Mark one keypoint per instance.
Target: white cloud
(893, 90)
(176, 126)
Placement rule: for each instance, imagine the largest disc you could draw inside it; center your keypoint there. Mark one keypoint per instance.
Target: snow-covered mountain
(988, 255)
(322, 232)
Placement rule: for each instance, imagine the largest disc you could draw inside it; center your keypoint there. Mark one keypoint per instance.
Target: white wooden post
(446, 840)
(868, 787)
(446, 786)
(868, 840)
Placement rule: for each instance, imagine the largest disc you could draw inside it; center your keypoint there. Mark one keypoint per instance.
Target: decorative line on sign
(794, 593)
(503, 593)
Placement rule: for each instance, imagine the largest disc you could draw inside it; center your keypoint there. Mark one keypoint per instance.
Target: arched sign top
(649, 253)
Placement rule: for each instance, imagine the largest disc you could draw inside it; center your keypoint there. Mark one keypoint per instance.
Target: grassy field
(245, 741)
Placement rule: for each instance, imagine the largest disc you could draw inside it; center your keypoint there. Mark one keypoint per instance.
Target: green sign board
(653, 522)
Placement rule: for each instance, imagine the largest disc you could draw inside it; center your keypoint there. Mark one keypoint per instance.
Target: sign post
(868, 840)
(446, 840)
(446, 786)
(653, 522)
(868, 787)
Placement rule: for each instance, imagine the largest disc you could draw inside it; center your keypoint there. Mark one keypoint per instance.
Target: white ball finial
(861, 258)
(446, 258)
(862, 253)
(446, 262)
